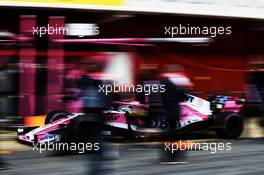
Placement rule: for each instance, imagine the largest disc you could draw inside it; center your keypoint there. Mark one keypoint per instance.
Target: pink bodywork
(232, 106)
(119, 119)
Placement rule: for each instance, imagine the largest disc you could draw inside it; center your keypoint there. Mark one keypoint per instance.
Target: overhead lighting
(183, 40)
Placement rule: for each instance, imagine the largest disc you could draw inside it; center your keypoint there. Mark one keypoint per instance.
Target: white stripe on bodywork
(39, 129)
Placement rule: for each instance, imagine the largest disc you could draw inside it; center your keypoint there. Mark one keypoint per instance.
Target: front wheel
(55, 115)
(229, 125)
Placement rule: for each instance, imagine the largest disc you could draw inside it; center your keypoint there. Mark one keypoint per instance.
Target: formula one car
(218, 113)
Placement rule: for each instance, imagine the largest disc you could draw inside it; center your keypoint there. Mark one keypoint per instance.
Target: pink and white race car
(218, 113)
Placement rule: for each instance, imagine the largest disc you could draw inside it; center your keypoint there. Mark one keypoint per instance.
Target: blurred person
(149, 76)
(176, 84)
(254, 92)
(94, 103)
(3, 164)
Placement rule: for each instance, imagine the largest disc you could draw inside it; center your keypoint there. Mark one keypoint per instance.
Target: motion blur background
(35, 71)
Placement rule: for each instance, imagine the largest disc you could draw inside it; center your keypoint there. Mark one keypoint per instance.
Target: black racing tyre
(55, 115)
(85, 128)
(229, 125)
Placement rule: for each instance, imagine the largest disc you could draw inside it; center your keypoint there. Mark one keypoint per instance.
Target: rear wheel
(55, 115)
(229, 125)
